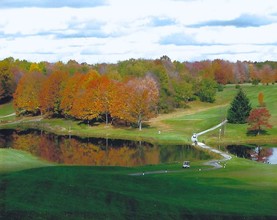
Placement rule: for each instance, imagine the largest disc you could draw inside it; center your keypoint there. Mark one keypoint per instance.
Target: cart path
(216, 164)
(6, 116)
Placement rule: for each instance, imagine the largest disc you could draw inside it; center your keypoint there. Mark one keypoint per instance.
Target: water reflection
(254, 152)
(96, 151)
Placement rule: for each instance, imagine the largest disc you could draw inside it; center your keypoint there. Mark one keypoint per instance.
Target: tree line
(177, 83)
(87, 97)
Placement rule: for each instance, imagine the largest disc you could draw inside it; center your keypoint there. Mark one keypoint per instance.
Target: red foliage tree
(259, 119)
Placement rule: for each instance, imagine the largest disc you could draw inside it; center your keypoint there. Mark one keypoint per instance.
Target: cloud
(245, 20)
(74, 29)
(182, 39)
(159, 22)
(51, 3)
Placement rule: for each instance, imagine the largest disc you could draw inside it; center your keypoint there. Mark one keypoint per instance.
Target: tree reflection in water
(97, 151)
(254, 152)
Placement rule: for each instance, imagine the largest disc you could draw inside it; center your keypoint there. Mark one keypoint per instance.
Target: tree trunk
(107, 119)
(139, 123)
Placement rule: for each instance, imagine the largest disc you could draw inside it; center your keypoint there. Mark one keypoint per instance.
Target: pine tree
(240, 109)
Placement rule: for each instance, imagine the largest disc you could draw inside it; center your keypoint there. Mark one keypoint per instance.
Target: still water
(254, 152)
(96, 151)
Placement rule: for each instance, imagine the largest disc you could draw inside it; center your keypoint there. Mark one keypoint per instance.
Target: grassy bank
(243, 190)
(14, 160)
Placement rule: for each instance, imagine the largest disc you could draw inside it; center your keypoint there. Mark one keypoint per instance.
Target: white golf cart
(186, 164)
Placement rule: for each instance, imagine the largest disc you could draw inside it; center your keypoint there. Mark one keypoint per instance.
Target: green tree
(240, 109)
(207, 90)
(183, 92)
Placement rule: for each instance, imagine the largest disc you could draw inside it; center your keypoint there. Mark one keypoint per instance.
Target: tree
(50, 95)
(139, 100)
(207, 90)
(68, 93)
(7, 83)
(103, 94)
(259, 119)
(183, 92)
(240, 109)
(26, 96)
(261, 99)
(84, 105)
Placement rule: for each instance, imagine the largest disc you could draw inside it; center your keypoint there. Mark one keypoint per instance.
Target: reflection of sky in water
(273, 158)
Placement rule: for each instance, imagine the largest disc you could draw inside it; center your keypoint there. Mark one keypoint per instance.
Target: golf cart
(186, 164)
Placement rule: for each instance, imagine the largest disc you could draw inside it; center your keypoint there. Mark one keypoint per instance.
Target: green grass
(14, 160)
(6, 109)
(244, 190)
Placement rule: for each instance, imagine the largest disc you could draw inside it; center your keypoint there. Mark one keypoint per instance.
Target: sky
(97, 31)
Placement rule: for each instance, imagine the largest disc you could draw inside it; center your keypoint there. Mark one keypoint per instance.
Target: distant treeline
(177, 82)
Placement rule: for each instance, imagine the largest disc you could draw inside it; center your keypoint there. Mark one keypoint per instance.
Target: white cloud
(120, 29)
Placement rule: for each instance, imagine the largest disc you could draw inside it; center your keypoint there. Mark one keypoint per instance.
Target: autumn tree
(240, 109)
(50, 95)
(68, 93)
(266, 75)
(141, 99)
(261, 99)
(26, 96)
(7, 83)
(259, 120)
(85, 106)
(103, 92)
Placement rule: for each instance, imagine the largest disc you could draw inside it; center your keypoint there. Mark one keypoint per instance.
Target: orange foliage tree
(84, 106)
(50, 97)
(26, 96)
(68, 93)
(261, 99)
(138, 101)
(102, 92)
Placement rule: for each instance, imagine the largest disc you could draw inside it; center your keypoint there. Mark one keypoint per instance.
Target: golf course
(32, 187)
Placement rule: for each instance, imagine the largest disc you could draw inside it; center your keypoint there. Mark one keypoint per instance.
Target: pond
(257, 153)
(97, 151)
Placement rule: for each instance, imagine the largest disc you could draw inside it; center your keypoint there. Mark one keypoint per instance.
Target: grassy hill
(243, 190)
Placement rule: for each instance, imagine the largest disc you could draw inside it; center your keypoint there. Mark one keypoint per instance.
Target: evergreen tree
(240, 109)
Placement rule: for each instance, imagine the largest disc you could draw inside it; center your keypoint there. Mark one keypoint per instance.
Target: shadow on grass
(256, 133)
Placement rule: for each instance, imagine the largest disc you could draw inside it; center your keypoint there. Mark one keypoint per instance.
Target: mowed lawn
(243, 190)
(33, 189)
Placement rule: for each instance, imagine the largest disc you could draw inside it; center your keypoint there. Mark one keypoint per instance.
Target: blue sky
(96, 31)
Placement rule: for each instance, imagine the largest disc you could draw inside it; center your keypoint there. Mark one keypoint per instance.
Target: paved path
(6, 116)
(213, 128)
(216, 163)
